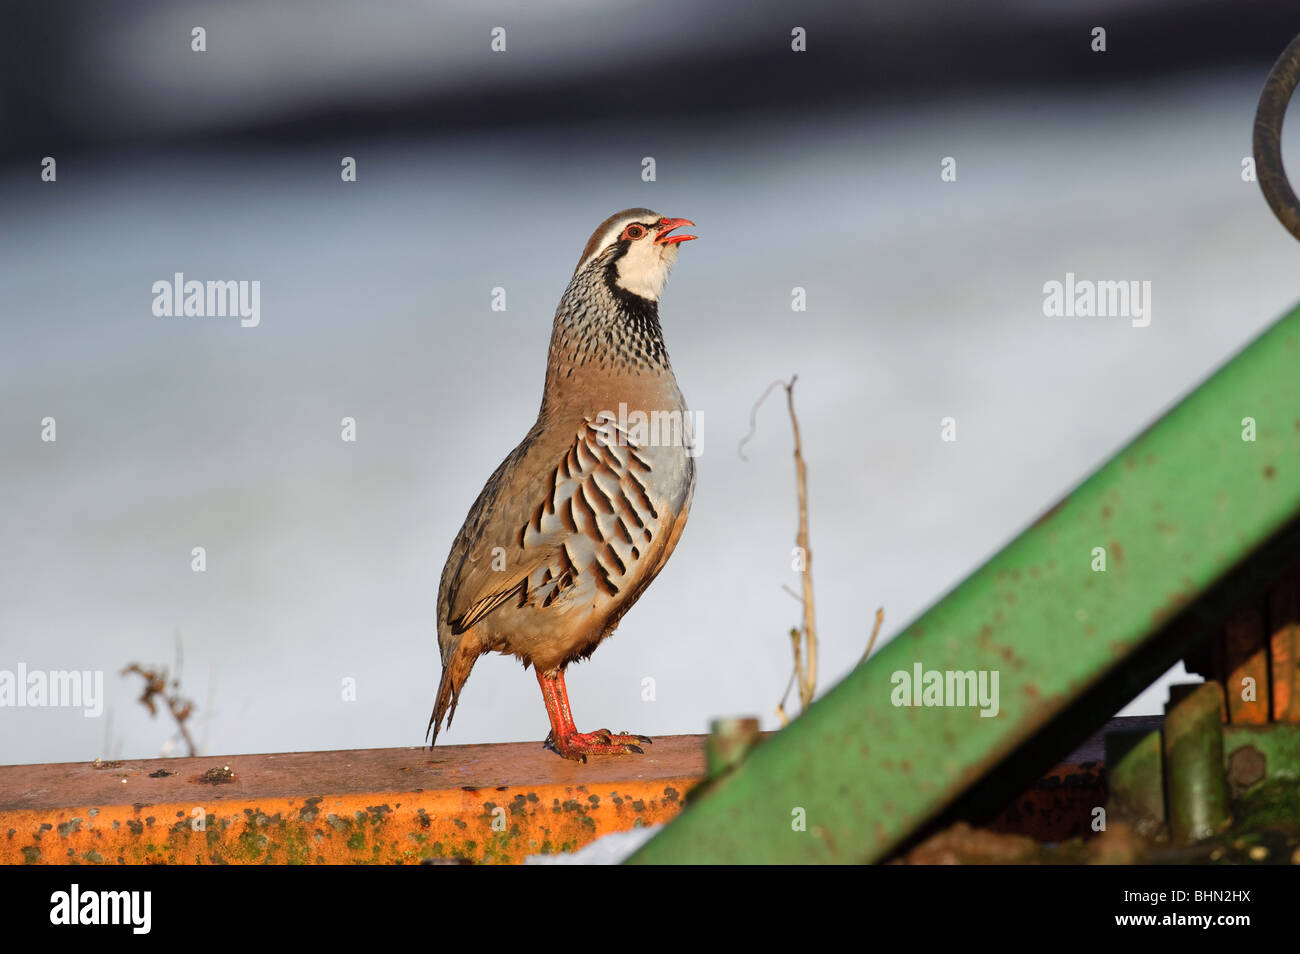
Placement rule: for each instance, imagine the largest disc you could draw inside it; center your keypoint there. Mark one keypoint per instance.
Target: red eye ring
(634, 232)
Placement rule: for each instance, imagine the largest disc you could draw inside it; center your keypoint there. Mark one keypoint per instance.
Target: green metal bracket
(1191, 508)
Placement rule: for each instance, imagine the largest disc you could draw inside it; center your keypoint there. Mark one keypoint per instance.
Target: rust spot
(1117, 551)
(1105, 512)
(1269, 472)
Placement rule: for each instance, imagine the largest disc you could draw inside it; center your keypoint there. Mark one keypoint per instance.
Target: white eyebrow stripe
(608, 238)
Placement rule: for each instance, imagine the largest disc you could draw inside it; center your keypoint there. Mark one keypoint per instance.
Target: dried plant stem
(875, 631)
(156, 684)
(808, 675)
(803, 639)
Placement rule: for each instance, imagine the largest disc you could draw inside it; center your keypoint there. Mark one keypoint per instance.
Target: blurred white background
(924, 301)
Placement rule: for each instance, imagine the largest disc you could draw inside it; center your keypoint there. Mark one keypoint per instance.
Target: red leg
(565, 737)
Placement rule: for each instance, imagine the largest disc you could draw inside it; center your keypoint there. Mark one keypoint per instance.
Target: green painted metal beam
(1184, 507)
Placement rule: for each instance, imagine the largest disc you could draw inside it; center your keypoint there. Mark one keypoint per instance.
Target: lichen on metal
(1181, 509)
(477, 803)
(1255, 754)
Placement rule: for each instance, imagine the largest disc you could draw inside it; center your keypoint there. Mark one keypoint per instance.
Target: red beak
(666, 226)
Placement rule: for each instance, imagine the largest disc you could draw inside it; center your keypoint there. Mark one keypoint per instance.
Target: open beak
(666, 226)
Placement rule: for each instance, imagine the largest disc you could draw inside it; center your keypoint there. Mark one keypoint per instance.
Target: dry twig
(875, 631)
(156, 685)
(803, 639)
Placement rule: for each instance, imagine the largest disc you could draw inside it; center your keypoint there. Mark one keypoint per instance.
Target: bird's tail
(454, 673)
(445, 703)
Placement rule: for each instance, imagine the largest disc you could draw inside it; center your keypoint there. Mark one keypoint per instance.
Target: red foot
(578, 745)
(566, 740)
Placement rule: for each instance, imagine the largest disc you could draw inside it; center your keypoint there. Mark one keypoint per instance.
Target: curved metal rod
(1279, 86)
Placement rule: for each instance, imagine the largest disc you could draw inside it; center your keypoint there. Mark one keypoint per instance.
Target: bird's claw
(622, 738)
(601, 742)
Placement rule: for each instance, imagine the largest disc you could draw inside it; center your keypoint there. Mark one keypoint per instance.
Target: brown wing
(583, 522)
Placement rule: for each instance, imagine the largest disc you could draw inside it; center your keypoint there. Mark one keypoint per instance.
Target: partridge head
(583, 514)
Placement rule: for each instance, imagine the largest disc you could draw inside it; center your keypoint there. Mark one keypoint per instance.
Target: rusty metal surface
(1256, 656)
(484, 803)
(1057, 807)
(1269, 114)
(1245, 652)
(1284, 649)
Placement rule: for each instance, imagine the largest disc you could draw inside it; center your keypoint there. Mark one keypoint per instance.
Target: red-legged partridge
(583, 514)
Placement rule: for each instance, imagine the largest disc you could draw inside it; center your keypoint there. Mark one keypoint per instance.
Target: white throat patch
(643, 270)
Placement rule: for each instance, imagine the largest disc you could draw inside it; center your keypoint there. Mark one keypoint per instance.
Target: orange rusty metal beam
(1284, 648)
(1245, 649)
(481, 803)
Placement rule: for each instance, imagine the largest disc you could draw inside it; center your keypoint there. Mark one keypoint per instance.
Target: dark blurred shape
(84, 76)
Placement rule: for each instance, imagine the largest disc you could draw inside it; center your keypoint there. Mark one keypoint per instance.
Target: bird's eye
(633, 232)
